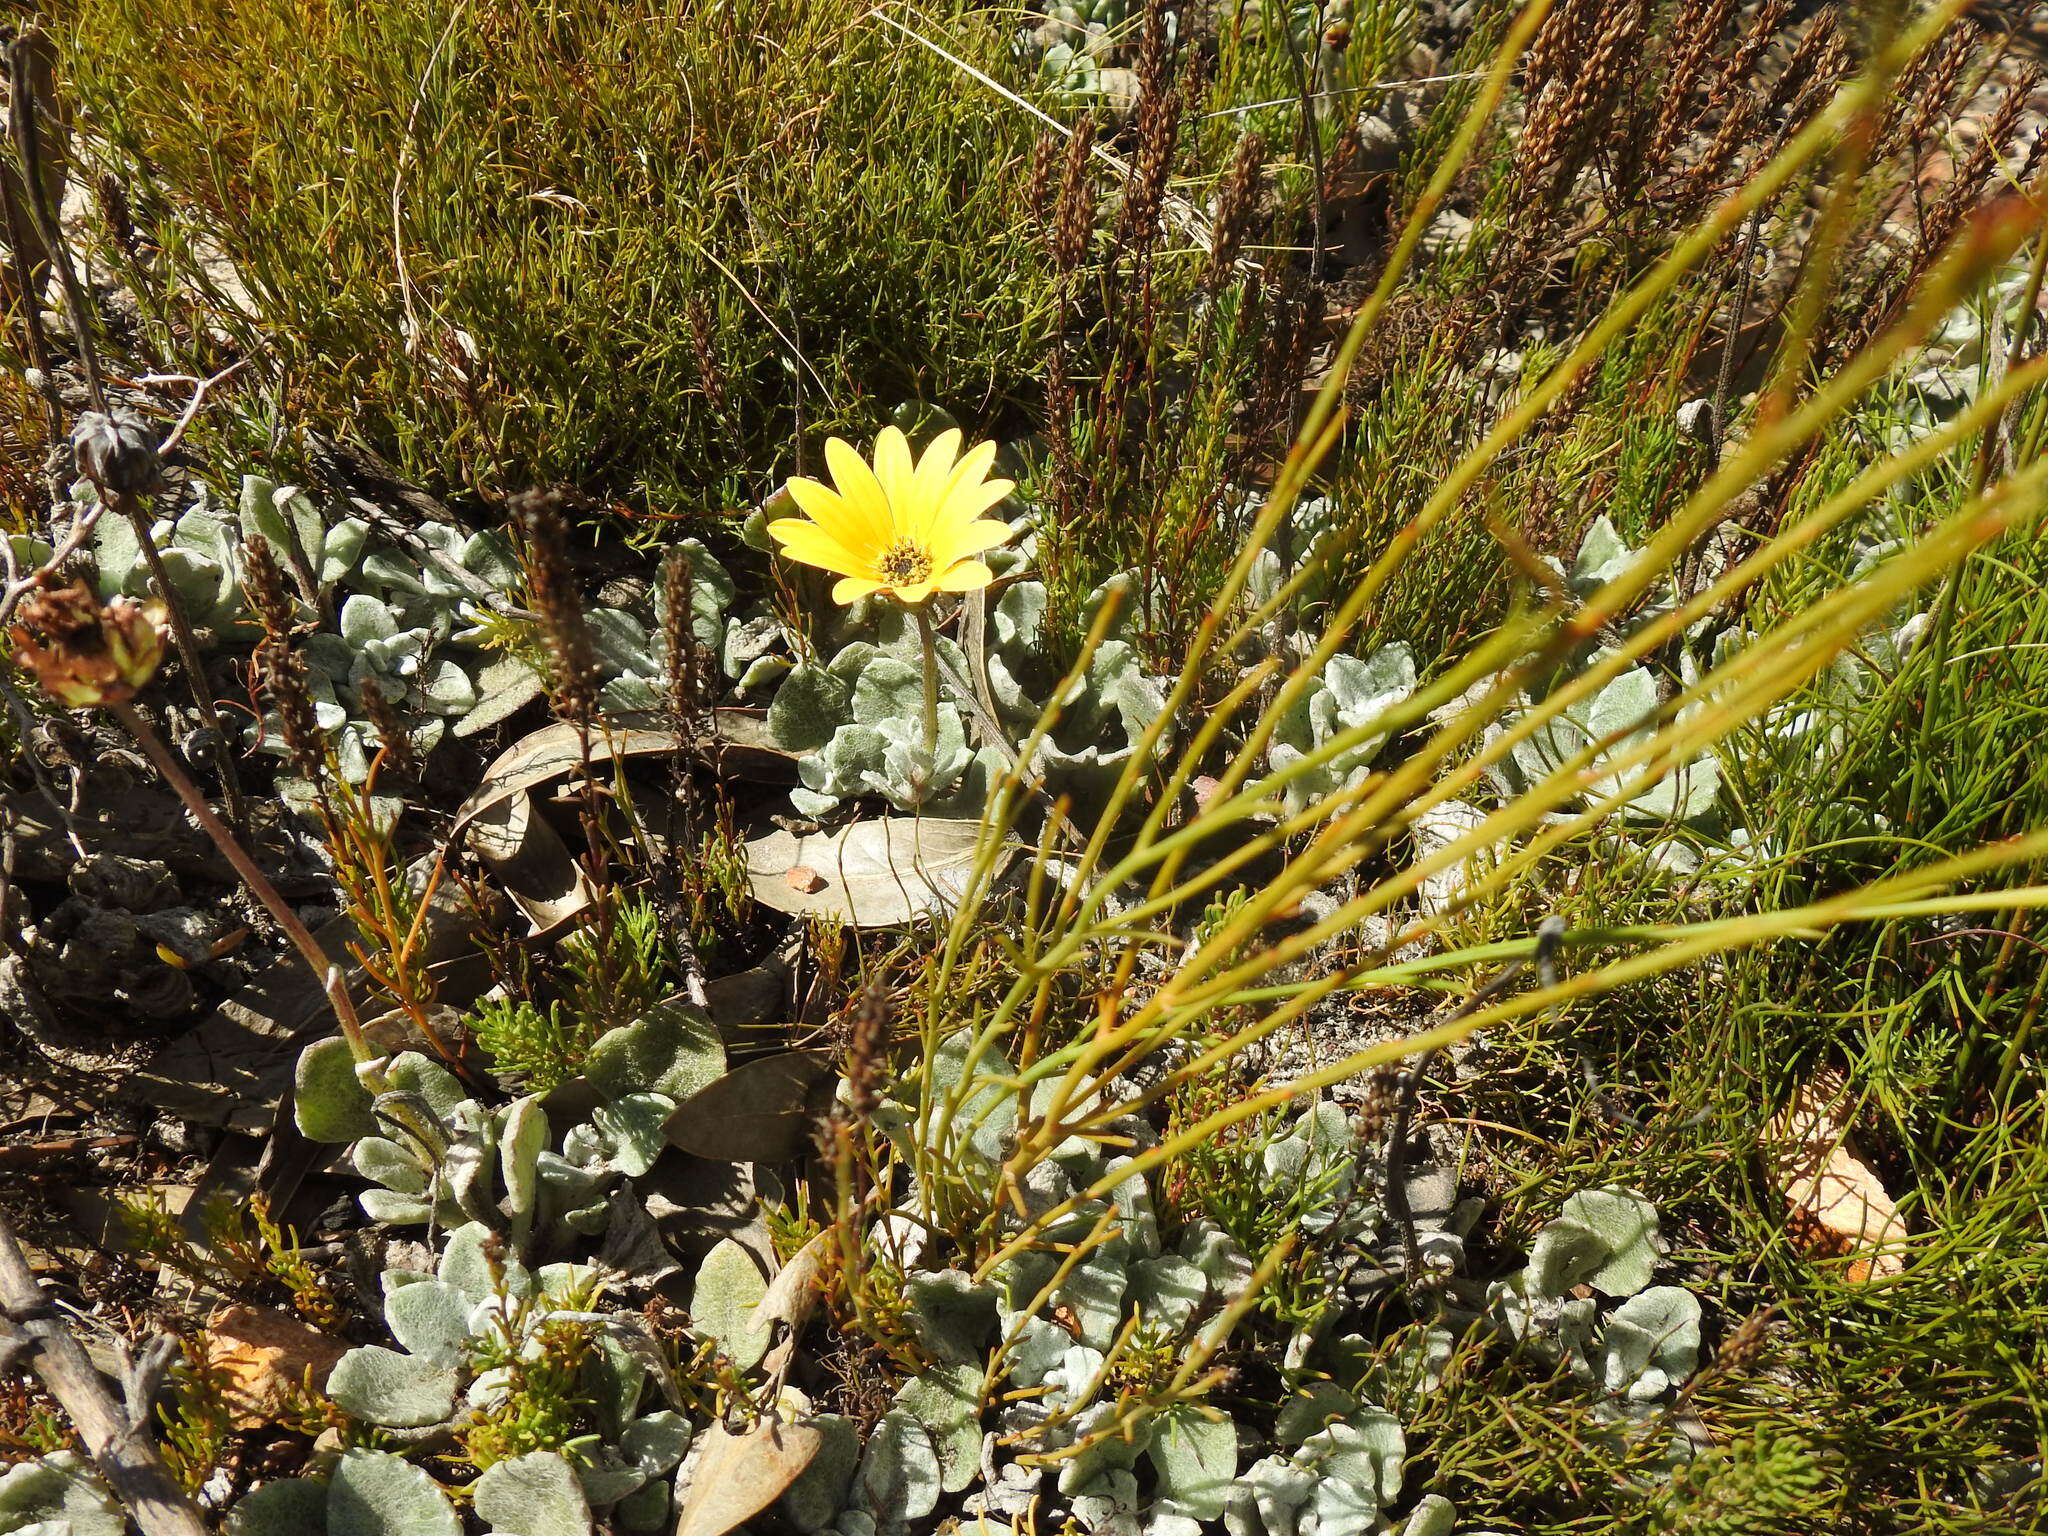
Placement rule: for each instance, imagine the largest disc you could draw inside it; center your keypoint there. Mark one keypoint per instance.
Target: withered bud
(84, 652)
(116, 451)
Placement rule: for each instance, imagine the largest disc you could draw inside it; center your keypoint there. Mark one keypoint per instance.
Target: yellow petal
(974, 465)
(862, 492)
(965, 576)
(829, 511)
(814, 546)
(893, 468)
(849, 589)
(971, 539)
(964, 503)
(934, 474)
(913, 594)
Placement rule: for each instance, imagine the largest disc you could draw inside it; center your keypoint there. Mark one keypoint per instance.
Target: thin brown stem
(309, 949)
(137, 514)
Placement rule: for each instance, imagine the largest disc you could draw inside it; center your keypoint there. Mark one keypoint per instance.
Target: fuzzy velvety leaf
(1196, 1458)
(672, 1048)
(386, 1162)
(946, 1401)
(951, 1316)
(1651, 1342)
(728, 1287)
(285, 1506)
(811, 704)
(521, 1140)
(820, 1492)
(533, 1495)
(633, 1125)
(383, 1386)
(412, 1072)
(504, 686)
(760, 1112)
(899, 1474)
(464, 1265)
(1433, 1515)
(328, 1100)
(430, 1319)
(656, 1442)
(644, 1510)
(374, 1493)
(1564, 1254)
(59, 1494)
(1626, 1225)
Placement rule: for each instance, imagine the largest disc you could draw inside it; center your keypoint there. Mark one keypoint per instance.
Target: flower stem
(309, 949)
(132, 508)
(930, 646)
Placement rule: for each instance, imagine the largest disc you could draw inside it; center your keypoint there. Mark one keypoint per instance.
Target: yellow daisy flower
(907, 528)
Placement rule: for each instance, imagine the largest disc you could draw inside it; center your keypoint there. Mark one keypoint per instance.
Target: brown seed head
(679, 641)
(1237, 202)
(284, 678)
(867, 1053)
(264, 581)
(391, 732)
(84, 652)
(559, 605)
(1074, 218)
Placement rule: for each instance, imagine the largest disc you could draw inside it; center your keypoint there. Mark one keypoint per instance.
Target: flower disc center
(904, 564)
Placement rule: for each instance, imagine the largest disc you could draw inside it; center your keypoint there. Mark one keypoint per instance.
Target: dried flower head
(84, 652)
(116, 451)
(907, 528)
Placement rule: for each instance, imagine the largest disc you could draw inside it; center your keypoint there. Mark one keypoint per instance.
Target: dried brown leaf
(263, 1357)
(1839, 1206)
(739, 1475)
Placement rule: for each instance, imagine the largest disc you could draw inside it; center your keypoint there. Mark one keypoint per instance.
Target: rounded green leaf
(810, 705)
(374, 1493)
(327, 1100)
(383, 1386)
(386, 1162)
(286, 1506)
(1196, 1458)
(61, 1494)
(671, 1049)
(656, 1442)
(1626, 1225)
(533, 1495)
(729, 1286)
(430, 1319)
